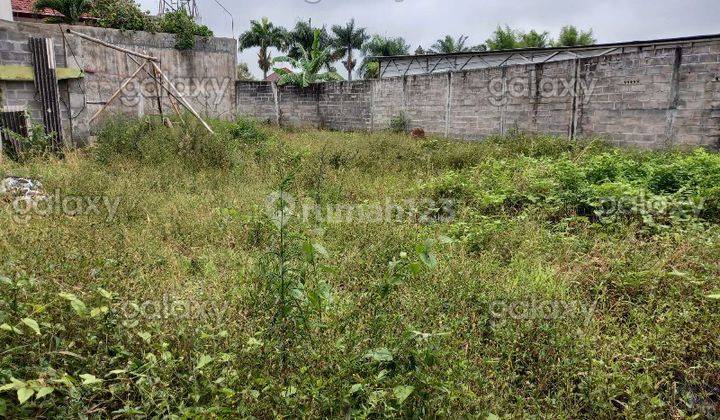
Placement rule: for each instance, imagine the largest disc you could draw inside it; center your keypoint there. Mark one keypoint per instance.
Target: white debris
(13, 187)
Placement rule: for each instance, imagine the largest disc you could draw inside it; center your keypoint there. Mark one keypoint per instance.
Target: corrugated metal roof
(405, 65)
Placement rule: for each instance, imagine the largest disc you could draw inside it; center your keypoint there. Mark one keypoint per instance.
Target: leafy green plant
(124, 15)
(184, 27)
(71, 10)
(310, 63)
(291, 269)
(378, 46)
(38, 143)
(399, 123)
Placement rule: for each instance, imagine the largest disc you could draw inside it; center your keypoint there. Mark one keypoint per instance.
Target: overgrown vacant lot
(393, 277)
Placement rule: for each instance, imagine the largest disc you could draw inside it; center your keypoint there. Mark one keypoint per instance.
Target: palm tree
(348, 38)
(449, 45)
(265, 35)
(503, 39)
(534, 39)
(71, 10)
(303, 35)
(379, 46)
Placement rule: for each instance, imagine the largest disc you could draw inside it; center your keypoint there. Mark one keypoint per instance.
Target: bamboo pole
(182, 100)
(160, 83)
(114, 47)
(117, 92)
(158, 93)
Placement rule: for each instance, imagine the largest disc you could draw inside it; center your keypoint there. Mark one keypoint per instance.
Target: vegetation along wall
(646, 97)
(90, 73)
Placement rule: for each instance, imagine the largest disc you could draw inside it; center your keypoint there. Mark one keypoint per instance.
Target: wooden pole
(117, 92)
(114, 47)
(160, 83)
(182, 100)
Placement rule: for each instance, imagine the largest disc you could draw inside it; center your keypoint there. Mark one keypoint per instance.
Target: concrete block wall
(334, 106)
(15, 51)
(697, 120)
(646, 97)
(299, 106)
(629, 102)
(204, 75)
(256, 99)
(346, 106)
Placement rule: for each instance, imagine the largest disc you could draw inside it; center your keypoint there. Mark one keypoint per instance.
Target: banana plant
(309, 64)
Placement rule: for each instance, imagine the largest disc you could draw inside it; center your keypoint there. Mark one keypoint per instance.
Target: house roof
(273, 77)
(25, 7)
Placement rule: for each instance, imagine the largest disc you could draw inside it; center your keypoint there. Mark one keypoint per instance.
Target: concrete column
(6, 10)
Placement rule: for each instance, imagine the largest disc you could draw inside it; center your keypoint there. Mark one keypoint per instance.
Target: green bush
(248, 131)
(148, 140)
(124, 15)
(399, 123)
(614, 186)
(184, 28)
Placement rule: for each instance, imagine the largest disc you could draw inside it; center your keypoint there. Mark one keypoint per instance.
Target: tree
(570, 36)
(303, 35)
(420, 50)
(348, 38)
(242, 72)
(534, 39)
(184, 27)
(265, 35)
(71, 10)
(503, 39)
(123, 14)
(309, 64)
(379, 46)
(449, 45)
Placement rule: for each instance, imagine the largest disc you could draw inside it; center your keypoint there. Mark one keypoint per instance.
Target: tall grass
(554, 278)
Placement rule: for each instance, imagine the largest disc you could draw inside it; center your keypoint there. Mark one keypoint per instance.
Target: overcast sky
(421, 22)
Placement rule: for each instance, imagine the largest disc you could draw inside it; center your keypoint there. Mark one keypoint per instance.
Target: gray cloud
(421, 22)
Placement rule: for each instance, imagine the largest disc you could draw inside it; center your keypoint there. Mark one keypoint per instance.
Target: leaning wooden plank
(117, 92)
(182, 100)
(114, 47)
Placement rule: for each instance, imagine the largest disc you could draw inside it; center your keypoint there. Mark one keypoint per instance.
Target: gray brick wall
(346, 106)
(205, 75)
(645, 97)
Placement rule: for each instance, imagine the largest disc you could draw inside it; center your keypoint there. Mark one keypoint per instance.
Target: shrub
(124, 15)
(247, 131)
(184, 28)
(148, 140)
(38, 143)
(399, 123)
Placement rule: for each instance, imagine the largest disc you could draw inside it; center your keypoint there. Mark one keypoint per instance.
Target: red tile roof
(25, 7)
(273, 77)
